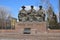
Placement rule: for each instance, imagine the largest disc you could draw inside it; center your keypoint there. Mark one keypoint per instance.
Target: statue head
(32, 7)
(23, 7)
(40, 7)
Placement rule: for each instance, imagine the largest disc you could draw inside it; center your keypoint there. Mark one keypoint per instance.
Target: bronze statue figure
(22, 16)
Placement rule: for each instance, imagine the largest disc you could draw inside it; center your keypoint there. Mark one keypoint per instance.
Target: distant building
(13, 21)
(8, 24)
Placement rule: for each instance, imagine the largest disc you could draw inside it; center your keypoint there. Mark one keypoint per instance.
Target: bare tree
(4, 15)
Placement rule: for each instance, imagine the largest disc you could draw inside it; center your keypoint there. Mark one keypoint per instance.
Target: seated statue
(31, 13)
(22, 16)
(40, 14)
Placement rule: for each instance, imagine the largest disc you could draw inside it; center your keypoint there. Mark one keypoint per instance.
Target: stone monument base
(34, 26)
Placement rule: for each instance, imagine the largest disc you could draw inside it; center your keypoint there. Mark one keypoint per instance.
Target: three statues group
(31, 15)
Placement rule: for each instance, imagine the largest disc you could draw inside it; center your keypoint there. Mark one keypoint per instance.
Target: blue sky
(15, 5)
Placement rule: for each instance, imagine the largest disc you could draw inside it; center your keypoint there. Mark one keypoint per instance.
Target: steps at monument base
(42, 36)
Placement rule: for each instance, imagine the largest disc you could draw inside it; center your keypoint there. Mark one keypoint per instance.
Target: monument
(32, 19)
(33, 24)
